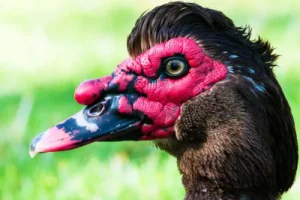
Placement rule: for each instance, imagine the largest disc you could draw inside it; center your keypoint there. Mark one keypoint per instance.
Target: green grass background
(48, 47)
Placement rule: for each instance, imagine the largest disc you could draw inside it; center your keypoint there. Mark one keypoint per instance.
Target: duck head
(197, 85)
(140, 100)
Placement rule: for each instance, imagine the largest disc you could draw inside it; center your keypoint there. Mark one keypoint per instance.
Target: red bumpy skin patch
(159, 98)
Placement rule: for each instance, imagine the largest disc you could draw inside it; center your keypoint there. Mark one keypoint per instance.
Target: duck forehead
(148, 63)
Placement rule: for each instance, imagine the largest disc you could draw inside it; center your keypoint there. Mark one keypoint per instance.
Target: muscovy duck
(205, 93)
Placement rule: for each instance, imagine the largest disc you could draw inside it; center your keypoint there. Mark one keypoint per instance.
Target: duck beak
(98, 122)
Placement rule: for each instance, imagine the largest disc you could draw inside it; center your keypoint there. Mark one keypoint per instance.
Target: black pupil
(175, 65)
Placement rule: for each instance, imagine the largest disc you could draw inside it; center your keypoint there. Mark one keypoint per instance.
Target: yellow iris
(175, 67)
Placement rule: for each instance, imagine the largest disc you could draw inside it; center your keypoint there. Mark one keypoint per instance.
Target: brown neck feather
(220, 151)
(227, 195)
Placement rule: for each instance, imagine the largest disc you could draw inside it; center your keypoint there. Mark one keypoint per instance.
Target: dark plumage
(236, 139)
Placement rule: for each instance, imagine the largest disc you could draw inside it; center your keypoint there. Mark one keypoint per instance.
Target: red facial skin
(160, 98)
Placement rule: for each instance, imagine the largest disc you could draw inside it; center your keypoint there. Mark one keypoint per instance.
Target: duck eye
(176, 67)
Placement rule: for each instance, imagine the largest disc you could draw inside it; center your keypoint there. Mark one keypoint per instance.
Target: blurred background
(48, 47)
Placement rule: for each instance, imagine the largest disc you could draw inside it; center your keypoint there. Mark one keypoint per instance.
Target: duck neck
(222, 151)
(207, 190)
(206, 176)
(204, 189)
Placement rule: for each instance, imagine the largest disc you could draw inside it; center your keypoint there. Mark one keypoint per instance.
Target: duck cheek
(161, 117)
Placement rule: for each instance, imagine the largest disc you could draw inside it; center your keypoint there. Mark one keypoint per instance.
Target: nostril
(96, 110)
